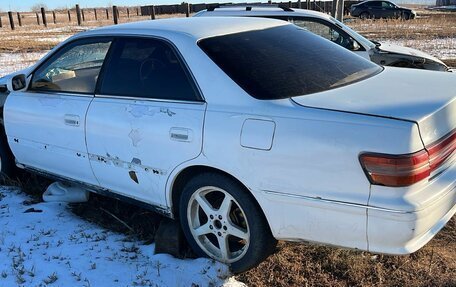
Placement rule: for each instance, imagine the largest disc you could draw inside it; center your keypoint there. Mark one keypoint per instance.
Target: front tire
(221, 220)
(7, 166)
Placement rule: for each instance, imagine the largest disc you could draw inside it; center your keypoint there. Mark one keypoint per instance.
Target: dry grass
(429, 25)
(312, 265)
(37, 38)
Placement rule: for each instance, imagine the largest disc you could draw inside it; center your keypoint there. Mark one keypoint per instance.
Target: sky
(25, 5)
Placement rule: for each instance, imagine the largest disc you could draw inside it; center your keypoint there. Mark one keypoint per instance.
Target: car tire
(7, 166)
(364, 15)
(222, 220)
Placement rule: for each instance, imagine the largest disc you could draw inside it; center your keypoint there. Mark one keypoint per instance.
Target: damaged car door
(145, 120)
(45, 123)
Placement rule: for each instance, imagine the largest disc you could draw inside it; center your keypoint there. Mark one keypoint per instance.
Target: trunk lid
(425, 97)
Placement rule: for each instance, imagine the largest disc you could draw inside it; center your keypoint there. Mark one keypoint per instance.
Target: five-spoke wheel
(221, 220)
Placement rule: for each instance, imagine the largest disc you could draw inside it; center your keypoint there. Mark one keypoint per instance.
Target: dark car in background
(381, 9)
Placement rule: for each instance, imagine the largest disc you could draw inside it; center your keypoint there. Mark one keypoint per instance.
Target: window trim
(55, 54)
(185, 67)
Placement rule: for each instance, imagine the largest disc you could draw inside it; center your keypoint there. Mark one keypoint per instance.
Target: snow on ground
(442, 48)
(12, 62)
(45, 244)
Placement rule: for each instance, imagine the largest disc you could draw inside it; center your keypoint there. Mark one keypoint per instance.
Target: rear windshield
(285, 61)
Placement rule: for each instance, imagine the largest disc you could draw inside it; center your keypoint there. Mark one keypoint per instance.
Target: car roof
(196, 28)
(262, 10)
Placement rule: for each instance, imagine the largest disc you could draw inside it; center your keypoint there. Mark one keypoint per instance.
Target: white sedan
(246, 130)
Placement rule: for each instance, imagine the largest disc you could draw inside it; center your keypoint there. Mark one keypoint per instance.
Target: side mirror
(17, 83)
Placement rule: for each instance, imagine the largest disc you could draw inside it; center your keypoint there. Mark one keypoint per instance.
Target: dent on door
(134, 145)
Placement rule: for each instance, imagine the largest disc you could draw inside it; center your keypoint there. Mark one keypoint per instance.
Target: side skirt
(165, 211)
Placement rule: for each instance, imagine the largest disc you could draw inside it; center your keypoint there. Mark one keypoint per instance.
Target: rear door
(146, 119)
(45, 125)
(375, 9)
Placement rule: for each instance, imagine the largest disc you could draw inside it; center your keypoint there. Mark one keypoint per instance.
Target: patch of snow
(45, 243)
(12, 62)
(442, 48)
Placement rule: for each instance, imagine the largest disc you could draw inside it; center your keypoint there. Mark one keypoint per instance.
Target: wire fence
(82, 16)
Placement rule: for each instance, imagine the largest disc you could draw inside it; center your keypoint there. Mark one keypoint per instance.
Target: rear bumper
(404, 232)
(401, 226)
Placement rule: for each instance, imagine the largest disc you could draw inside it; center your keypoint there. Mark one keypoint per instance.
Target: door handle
(72, 120)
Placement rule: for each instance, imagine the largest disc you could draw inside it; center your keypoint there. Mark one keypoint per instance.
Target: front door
(145, 120)
(45, 125)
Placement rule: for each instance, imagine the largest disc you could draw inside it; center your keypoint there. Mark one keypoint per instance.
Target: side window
(73, 69)
(327, 32)
(146, 68)
(387, 5)
(374, 4)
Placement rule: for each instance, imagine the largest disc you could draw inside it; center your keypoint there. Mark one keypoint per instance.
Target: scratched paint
(134, 165)
(167, 111)
(135, 137)
(138, 111)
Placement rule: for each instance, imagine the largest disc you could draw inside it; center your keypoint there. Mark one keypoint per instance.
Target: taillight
(407, 169)
(440, 151)
(396, 170)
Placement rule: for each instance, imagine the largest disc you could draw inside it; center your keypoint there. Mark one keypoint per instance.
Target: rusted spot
(133, 176)
(78, 154)
(155, 171)
(136, 161)
(167, 111)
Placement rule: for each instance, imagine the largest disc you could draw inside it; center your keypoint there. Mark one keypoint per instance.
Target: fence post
(69, 16)
(83, 16)
(11, 20)
(115, 15)
(78, 14)
(128, 13)
(187, 10)
(19, 20)
(340, 10)
(1, 23)
(53, 17)
(299, 4)
(95, 12)
(152, 12)
(43, 16)
(37, 19)
(137, 11)
(107, 14)
(334, 8)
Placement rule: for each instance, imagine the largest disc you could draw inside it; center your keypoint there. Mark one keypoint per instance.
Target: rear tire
(222, 220)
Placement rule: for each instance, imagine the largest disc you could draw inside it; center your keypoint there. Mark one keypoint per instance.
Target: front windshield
(285, 61)
(358, 37)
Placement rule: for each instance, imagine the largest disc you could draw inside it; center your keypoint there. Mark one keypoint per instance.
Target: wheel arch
(184, 175)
